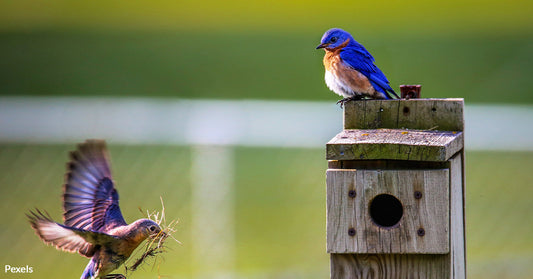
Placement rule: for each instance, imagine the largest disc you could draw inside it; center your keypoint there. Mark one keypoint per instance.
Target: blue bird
(350, 68)
(93, 223)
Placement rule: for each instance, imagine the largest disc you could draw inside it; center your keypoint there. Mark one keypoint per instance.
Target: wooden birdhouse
(395, 190)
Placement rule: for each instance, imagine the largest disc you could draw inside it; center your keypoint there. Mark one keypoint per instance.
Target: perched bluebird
(93, 224)
(350, 69)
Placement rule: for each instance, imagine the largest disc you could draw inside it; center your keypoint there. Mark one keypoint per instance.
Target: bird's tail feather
(393, 93)
(384, 88)
(90, 269)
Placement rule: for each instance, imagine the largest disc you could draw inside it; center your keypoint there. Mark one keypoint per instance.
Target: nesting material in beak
(155, 243)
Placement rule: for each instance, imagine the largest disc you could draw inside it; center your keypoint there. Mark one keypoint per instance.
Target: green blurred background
(477, 50)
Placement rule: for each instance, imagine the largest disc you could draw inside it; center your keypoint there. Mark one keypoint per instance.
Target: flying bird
(350, 69)
(93, 223)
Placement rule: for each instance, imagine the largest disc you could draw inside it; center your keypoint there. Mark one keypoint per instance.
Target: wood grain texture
(457, 221)
(420, 114)
(389, 266)
(386, 164)
(394, 144)
(430, 212)
(398, 147)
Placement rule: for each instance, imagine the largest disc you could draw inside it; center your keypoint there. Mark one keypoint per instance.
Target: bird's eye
(152, 228)
(333, 39)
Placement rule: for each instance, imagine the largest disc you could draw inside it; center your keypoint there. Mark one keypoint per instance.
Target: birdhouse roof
(414, 130)
(394, 144)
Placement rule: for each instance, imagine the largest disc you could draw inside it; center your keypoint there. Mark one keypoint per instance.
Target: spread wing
(67, 238)
(357, 57)
(90, 201)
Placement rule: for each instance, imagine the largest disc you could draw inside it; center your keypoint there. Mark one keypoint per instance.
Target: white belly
(337, 86)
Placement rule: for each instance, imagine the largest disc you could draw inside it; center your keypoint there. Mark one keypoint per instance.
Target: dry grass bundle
(154, 246)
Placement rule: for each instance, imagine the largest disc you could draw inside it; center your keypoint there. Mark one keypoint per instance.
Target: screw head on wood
(421, 232)
(351, 232)
(351, 194)
(418, 195)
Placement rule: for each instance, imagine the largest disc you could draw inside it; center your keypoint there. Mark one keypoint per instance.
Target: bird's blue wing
(361, 60)
(90, 200)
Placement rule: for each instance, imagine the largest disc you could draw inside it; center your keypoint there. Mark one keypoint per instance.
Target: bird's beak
(322, 45)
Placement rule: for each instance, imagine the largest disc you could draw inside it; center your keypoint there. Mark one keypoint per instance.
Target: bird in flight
(93, 224)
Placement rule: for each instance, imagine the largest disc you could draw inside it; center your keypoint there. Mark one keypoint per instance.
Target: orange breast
(130, 239)
(349, 77)
(331, 60)
(332, 57)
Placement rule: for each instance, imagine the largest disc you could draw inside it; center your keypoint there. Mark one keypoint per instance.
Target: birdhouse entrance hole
(386, 210)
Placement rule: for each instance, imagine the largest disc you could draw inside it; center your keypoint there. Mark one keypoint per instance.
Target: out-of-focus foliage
(391, 16)
(184, 64)
(479, 50)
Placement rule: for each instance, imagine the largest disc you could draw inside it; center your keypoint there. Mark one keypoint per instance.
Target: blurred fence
(217, 122)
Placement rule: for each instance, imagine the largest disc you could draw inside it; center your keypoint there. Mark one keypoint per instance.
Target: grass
(498, 214)
(238, 65)
(279, 207)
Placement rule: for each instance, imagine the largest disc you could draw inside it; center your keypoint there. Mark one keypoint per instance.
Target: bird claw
(342, 102)
(115, 276)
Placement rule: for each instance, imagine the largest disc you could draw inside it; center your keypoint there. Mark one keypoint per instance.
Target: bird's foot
(351, 98)
(343, 101)
(115, 276)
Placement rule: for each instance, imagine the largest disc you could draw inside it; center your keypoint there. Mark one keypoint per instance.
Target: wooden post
(395, 190)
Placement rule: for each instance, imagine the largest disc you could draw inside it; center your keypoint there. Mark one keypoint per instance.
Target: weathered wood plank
(389, 266)
(457, 222)
(410, 151)
(350, 211)
(394, 144)
(421, 114)
(386, 164)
